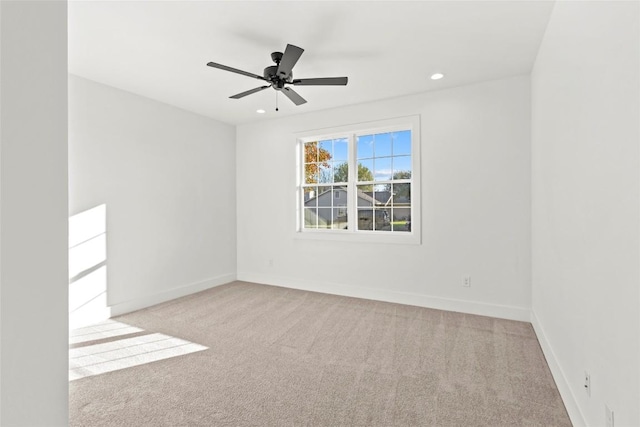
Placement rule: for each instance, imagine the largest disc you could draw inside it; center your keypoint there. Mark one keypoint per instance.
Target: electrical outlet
(587, 383)
(608, 416)
(466, 281)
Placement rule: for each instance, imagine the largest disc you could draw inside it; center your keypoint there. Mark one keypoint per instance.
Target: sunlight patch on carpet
(126, 353)
(106, 329)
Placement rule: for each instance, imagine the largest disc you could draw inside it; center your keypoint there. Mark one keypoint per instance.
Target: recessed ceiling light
(437, 76)
(260, 111)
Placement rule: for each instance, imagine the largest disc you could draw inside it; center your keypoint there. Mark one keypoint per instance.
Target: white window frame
(350, 132)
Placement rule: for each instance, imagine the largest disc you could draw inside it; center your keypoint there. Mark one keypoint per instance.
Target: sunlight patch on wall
(88, 267)
(86, 225)
(87, 255)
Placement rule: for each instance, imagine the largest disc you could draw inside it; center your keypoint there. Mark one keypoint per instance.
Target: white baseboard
(564, 387)
(462, 306)
(160, 297)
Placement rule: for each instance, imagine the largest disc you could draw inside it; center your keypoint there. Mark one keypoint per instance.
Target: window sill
(412, 238)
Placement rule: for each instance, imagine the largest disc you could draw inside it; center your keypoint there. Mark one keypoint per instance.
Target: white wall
(585, 135)
(167, 178)
(33, 214)
(475, 197)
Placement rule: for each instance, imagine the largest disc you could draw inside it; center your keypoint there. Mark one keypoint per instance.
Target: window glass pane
(309, 197)
(402, 142)
(401, 215)
(310, 218)
(365, 146)
(324, 217)
(325, 172)
(340, 218)
(324, 197)
(382, 220)
(382, 144)
(365, 219)
(311, 152)
(365, 195)
(339, 196)
(326, 150)
(340, 149)
(401, 219)
(383, 195)
(402, 167)
(340, 171)
(311, 173)
(401, 194)
(383, 169)
(365, 170)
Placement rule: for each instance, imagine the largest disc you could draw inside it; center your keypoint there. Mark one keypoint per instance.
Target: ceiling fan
(280, 75)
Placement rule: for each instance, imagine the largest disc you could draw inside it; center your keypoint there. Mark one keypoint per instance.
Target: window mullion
(302, 178)
(352, 200)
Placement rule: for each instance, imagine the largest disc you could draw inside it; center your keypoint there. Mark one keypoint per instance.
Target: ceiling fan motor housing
(278, 82)
(270, 72)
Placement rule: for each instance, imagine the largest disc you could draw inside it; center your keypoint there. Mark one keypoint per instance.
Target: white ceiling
(159, 49)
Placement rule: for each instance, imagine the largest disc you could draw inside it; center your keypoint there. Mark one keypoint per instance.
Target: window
(360, 180)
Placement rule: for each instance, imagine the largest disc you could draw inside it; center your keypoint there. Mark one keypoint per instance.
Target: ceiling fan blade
(248, 92)
(323, 81)
(289, 58)
(293, 96)
(235, 70)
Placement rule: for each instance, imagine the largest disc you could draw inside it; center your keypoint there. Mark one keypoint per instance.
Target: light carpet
(270, 356)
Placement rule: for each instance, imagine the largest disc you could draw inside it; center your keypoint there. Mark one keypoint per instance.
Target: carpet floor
(244, 354)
